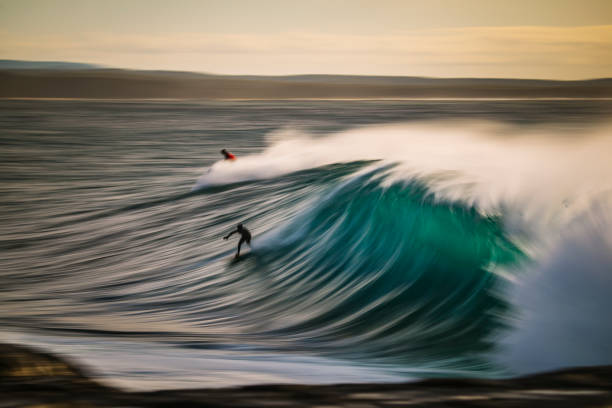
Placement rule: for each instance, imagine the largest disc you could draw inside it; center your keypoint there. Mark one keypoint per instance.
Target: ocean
(392, 240)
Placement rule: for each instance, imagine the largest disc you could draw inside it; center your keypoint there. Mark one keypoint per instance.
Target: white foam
(481, 162)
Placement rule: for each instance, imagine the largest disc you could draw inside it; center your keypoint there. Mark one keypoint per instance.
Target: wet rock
(33, 378)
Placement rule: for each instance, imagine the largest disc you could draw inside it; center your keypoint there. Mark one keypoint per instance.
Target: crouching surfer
(227, 155)
(245, 236)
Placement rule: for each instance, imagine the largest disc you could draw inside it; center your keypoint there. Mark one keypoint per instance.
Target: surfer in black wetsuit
(245, 236)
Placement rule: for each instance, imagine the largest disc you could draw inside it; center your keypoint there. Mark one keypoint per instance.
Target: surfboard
(240, 258)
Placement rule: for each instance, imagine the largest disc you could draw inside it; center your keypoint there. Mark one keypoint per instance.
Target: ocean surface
(392, 240)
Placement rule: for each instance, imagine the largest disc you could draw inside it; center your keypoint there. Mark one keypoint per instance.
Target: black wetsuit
(245, 236)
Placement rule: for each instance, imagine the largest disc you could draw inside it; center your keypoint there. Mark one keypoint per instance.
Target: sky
(551, 39)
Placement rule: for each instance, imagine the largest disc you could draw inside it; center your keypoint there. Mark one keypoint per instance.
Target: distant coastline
(105, 83)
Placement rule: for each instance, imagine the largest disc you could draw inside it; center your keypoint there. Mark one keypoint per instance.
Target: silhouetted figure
(245, 235)
(228, 155)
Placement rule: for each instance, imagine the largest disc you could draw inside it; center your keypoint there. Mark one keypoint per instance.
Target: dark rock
(33, 378)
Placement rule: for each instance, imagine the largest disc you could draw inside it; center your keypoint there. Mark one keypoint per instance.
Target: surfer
(245, 236)
(228, 155)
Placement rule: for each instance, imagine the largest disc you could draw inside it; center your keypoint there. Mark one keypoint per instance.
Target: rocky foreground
(29, 378)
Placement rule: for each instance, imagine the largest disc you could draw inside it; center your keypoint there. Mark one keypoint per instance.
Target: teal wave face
(389, 271)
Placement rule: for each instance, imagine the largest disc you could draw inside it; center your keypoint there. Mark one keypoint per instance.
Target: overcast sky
(559, 39)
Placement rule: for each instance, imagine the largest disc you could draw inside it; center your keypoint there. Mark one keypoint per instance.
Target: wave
(441, 248)
(421, 255)
(387, 271)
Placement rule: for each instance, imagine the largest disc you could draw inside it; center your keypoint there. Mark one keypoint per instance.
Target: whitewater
(391, 240)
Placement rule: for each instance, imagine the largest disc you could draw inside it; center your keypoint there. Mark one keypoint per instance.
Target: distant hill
(21, 79)
(18, 64)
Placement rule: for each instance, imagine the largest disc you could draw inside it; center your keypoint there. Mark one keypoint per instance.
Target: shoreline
(33, 377)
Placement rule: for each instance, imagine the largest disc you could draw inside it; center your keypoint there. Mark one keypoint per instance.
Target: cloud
(583, 50)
